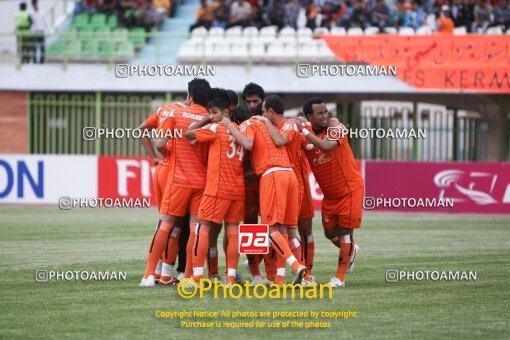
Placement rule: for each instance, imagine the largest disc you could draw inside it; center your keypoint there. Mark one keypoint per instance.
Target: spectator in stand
(23, 22)
(107, 6)
(87, 6)
(445, 24)
(343, 16)
(292, 13)
(415, 16)
(38, 29)
(311, 15)
(204, 15)
(162, 7)
(131, 12)
(502, 15)
(241, 13)
(274, 15)
(483, 14)
(360, 16)
(327, 15)
(463, 14)
(381, 15)
(399, 16)
(221, 15)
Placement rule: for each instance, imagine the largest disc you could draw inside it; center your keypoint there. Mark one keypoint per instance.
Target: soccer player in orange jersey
(223, 198)
(185, 182)
(279, 206)
(253, 96)
(291, 137)
(335, 169)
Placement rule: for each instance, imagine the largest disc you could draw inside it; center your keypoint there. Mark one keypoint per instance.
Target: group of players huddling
(236, 163)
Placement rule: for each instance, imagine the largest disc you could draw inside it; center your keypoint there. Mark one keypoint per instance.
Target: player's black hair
(219, 103)
(233, 99)
(253, 89)
(274, 102)
(217, 92)
(307, 108)
(240, 114)
(22, 6)
(200, 91)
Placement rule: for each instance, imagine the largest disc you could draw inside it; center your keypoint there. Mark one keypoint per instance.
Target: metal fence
(450, 135)
(56, 122)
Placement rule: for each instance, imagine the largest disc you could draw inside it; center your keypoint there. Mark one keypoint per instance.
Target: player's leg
(170, 254)
(157, 245)
(201, 247)
(159, 184)
(307, 242)
(194, 226)
(295, 245)
(183, 241)
(306, 214)
(274, 199)
(232, 232)
(212, 254)
(157, 272)
(251, 217)
(175, 203)
(349, 210)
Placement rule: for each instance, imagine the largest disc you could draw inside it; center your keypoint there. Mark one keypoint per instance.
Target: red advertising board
(120, 177)
(473, 187)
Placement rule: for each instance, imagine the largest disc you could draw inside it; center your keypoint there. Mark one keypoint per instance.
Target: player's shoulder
(288, 125)
(169, 109)
(245, 124)
(214, 127)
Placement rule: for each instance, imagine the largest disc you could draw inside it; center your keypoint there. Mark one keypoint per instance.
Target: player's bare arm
(244, 141)
(190, 133)
(161, 145)
(277, 137)
(323, 144)
(333, 121)
(147, 144)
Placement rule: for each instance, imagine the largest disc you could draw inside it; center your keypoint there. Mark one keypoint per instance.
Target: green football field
(117, 240)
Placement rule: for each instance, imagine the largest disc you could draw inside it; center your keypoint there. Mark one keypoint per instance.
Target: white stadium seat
(288, 32)
(390, 30)
(268, 34)
(268, 30)
(423, 30)
(325, 54)
(406, 31)
(308, 52)
(257, 52)
(460, 30)
(239, 52)
(338, 31)
(250, 32)
(304, 34)
(320, 30)
(199, 32)
(278, 53)
(235, 31)
(371, 30)
(190, 52)
(494, 30)
(354, 31)
(220, 52)
(216, 32)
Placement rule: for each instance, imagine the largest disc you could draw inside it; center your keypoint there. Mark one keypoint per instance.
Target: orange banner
(471, 62)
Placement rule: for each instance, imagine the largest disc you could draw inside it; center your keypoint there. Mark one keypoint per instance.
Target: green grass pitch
(117, 240)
